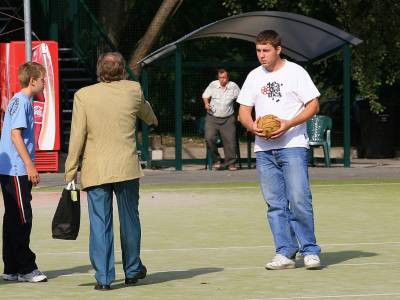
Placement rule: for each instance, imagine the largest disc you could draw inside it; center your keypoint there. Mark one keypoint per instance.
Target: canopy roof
(304, 39)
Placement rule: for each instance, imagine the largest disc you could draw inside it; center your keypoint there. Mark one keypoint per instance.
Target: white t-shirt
(282, 93)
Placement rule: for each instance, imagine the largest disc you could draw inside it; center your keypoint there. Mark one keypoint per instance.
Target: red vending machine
(45, 106)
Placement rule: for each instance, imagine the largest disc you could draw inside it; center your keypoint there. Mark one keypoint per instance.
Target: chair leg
(326, 156)
(311, 156)
(209, 161)
(238, 152)
(249, 138)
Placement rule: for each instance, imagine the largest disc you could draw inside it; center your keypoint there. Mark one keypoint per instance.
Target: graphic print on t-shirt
(272, 90)
(13, 107)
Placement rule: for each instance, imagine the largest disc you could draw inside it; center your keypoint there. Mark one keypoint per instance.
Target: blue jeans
(101, 243)
(283, 175)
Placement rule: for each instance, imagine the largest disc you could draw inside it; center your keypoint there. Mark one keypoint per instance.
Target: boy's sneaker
(34, 276)
(312, 262)
(280, 262)
(10, 277)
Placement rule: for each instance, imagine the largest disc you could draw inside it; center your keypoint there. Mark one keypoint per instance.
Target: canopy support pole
(346, 105)
(178, 109)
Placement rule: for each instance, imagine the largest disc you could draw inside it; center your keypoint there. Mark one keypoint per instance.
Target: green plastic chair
(319, 133)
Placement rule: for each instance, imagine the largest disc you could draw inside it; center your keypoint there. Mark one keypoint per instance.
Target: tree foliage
(376, 62)
(112, 10)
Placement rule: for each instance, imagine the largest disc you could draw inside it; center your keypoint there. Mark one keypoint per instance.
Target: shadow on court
(159, 277)
(334, 258)
(51, 274)
(56, 273)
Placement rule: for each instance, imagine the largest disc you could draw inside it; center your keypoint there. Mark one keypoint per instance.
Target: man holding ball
(283, 89)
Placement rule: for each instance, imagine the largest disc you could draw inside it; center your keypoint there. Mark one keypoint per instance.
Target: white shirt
(222, 98)
(282, 93)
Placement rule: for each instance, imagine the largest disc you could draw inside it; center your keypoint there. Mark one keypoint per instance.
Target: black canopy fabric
(304, 39)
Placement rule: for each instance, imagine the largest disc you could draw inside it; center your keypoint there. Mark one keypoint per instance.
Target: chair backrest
(317, 126)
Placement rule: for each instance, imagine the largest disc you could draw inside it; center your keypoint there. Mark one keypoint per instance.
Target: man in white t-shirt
(283, 89)
(219, 98)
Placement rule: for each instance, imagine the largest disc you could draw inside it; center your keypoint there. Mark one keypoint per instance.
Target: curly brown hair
(110, 67)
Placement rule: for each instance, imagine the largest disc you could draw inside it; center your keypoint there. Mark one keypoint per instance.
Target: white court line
(243, 268)
(257, 187)
(226, 248)
(361, 244)
(328, 266)
(334, 296)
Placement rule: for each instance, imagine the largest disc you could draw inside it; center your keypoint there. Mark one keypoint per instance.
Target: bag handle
(71, 186)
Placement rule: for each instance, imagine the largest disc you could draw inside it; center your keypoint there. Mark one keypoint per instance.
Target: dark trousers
(226, 127)
(17, 225)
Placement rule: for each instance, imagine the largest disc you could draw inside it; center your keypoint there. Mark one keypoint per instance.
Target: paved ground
(360, 168)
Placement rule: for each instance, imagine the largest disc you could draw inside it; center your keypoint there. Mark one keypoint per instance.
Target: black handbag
(66, 220)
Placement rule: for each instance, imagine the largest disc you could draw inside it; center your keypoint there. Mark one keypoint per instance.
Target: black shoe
(142, 274)
(102, 287)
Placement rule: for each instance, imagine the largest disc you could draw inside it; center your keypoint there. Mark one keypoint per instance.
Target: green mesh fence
(80, 27)
(195, 78)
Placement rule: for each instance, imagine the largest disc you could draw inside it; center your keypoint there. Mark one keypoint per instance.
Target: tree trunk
(167, 9)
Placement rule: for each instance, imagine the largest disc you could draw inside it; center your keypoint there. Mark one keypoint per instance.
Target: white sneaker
(312, 262)
(34, 276)
(280, 262)
(10, 277)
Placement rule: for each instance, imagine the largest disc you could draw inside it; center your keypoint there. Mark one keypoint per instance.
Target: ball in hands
(268, 124)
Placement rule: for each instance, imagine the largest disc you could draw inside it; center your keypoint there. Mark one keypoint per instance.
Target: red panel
(46, 161)
(4, 88)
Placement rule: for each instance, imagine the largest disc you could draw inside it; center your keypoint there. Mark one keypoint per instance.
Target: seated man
(219, 98)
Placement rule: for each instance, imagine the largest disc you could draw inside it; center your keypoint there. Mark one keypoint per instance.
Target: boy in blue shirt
(17, 176)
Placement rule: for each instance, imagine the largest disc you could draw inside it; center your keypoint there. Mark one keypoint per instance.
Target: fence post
(145, 128)
(178, 109)
(346, 105)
